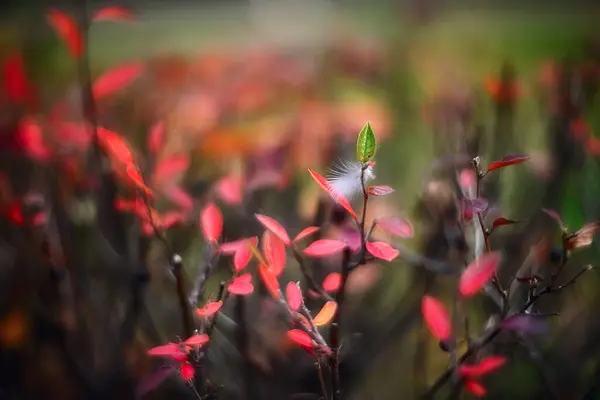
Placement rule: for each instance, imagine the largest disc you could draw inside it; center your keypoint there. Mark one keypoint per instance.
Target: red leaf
(187, 371)
(242, 285)
(209, 309)
(274, 227)
(112, 13)
(16, 84)
(116, 79)
(300, 337)
(342, 201)
(305, 233)
(478, 273)
(197, 341)
(486, 366)
(380, 190)
(326, 314)
(167, 350)
(211, 221)
(269, 280)
(169, 169)
(230, 248)
(508, 160)
(555, 216)
(324, 248)
(475, 388)
(243, 254)
(382, 250)
(396, 226)
(67, 30)
(332, 282)
(501, 221)
(293, 296)
(135, 177)
(179, 197)
(274, 251)
(156, 136)
(31, 139)
(229, 189)
(115, 146)
(436, 317)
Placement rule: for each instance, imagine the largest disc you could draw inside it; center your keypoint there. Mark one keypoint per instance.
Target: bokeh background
(259, 91)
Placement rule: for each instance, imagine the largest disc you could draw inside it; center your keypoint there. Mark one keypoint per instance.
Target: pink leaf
(305, 233)
(230, 248)
(341, 200)
(293, 296)
(167, 350)
(243, 254)
(156, 136)
(478, 205)
(486, 366)
(380, 190)
(197, 341)
(211, 221)
(187, 371)
(67, 30)
(300, 337)
(478, 273)
(274, 251)
(475, 388)
(112, 13)
(396, 226)
(436, 318)
(170, 169)
(209, 309)
(508, 160)
(275, 227)
(332, 282)
(242, 285)
(116, 79)
(383, 251)
(179, 197)
(229, 189)
(324, 248)
(467, 178)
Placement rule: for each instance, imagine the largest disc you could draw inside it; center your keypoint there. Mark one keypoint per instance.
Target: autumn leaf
(112, 14)
(167, 350)
(273, 249)
(115, 146)
(269, 280)
(67, 30)
(324, 248)
(332, 282)
(15, 82)
(501, 221)
(436, 318)
(187, 371)
(156, 136)
(211, 221)
(326, 314)
(243, 254)
(305, 233)
(209, 309)
(397, 226)
(293, 296)
(382, 251)
(508, 160)
(197, 341)
(485, 366)
(169, 169)
(380, 190)
(475, 388)
(478, 273)
(116, 79)
(275, 227)
(339, 199)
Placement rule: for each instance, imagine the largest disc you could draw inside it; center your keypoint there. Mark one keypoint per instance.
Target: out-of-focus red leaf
(293, 296)
(332, 282)
(176, 195)
(115, 146)
(475, 388)
(274, 250)
(116, 79)
(135, 177)
(501, 221)
(211, 221)
(380, 190)
(197, 341)
(436, 317)
(324, 248)
(305, 233)
(326, 314)
(156, 136)
(478, 273)
(341, 200)
(382, 251)
(243, 254)
(275, 227)
(31, 140)
(170, 169)
(526, 323)
(396, 226)
(242, 285)
(113, 13)
(187, 371)
(508, 160)
(467, 178)
(583, 237)
(229, 189)
(269, 280)
(300, 337)
(67, 30)
(486, 366)
(209, 309)
(15, 82)
(230, 248)
(555, 216)
(72, 135)
(167, 350)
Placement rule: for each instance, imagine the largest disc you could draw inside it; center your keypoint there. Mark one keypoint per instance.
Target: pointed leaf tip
(478, 273)
(382, 251)
(275, 227)
(508, 160)
(366, 144)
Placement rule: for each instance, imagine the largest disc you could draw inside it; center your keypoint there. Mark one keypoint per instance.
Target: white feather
(344, 178)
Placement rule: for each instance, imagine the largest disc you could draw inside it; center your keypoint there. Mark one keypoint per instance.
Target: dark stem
(184, 305)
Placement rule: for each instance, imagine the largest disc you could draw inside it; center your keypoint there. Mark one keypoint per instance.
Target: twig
(334, 338)
(310, 279)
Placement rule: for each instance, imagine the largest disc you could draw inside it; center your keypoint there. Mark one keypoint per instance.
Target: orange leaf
(341, 200)
(274, 251)
(478, 273)
(211, 221)
(67, 30)
(382, 251)
(269, 280)
(274, 226)
(326, 314)
(112, 13)
(116, 79)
